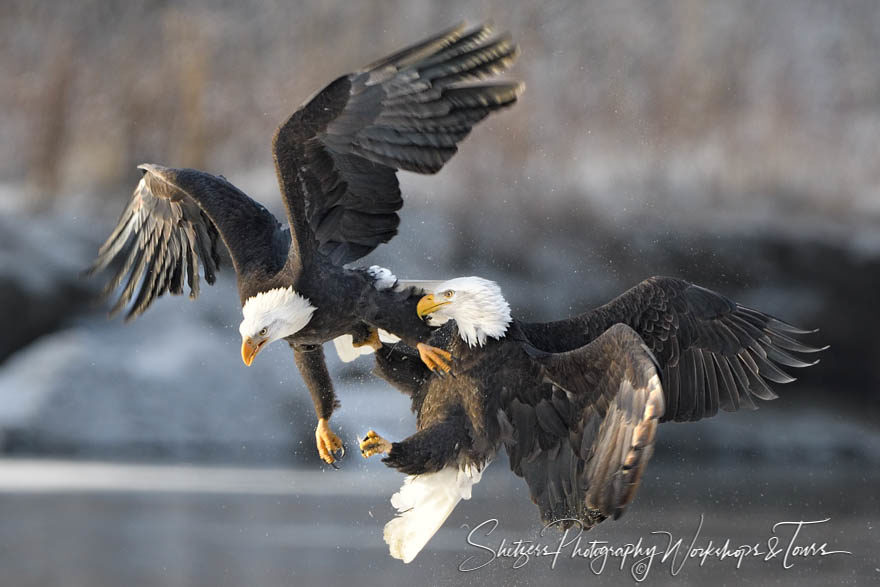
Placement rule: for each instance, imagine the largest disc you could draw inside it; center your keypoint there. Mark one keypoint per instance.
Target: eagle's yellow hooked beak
(428, 305)
(249, 349)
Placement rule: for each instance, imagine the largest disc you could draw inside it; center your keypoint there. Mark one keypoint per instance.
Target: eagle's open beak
(249, 350)
(427, 305)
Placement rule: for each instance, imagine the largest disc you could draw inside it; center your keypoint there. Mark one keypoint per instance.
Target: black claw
(334, 465)
(342, 452)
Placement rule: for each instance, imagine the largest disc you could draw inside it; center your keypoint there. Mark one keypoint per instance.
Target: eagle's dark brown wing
(338, 155)
(712, 352)
(175, 220)
(583, 434)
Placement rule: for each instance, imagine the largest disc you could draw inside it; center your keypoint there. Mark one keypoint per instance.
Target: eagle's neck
(478, 319)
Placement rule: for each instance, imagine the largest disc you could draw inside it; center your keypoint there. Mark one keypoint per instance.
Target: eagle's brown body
(576, 402)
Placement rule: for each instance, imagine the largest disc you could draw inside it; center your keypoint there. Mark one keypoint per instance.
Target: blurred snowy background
(732, 144)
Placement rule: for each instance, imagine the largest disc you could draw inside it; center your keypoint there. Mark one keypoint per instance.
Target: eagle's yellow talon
(327, 441)
(434, 358)
(373, 444)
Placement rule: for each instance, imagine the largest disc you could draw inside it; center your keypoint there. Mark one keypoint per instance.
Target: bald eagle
(336, 160)
(575, 403)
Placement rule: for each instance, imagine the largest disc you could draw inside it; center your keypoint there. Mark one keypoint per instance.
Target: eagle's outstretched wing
(175, 220)
(338, 155)
(582, 435)
(712, 352)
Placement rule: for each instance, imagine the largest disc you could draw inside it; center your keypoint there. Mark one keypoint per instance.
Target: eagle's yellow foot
(437, 360)
(328, 442)
(371, 341)
(373, 444)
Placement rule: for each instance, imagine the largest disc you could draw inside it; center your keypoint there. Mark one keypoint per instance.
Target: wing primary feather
(785, 342)
(730, 399)
(753, 331)
(124, 224)
(742, 380)
(712, 395)
(783, 358)
(413, 53)
(770, 371)
(777, 324)
(759, 388)
(688, 396)
(176, 280)
(699, 388)
(192, 263)
(133, 279)
(112, 246)
(147, 289)
(748, 361)
(121, 273)
(498, 53)
(203, 248)
(468, 41)
(484, 96)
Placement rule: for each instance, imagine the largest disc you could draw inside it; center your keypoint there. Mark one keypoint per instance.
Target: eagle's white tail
(423, 504)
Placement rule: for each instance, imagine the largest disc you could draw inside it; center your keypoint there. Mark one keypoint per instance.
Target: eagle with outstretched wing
(336, 159)
(575, 402)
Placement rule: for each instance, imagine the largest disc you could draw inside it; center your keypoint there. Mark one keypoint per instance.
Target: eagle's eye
(448, 294)
(264, 332)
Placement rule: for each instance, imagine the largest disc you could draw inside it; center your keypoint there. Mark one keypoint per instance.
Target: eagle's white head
(476, 305)
(269, 316)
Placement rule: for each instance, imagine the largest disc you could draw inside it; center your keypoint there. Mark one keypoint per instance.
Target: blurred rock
(41, 258)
